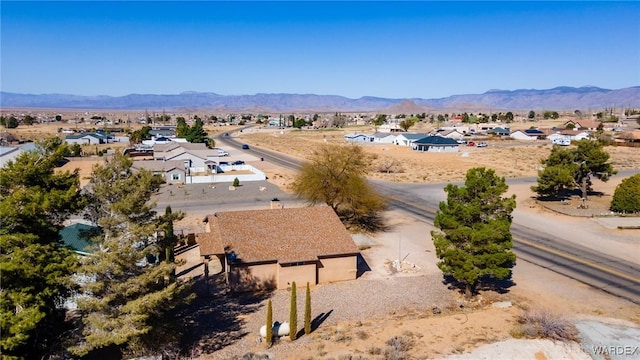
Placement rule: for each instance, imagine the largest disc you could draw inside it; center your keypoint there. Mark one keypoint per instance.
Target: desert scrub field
(401, 164)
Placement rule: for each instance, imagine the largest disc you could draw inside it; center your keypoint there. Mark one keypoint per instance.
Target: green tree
(379, 120)
(307, 311)
(196, 133)
(11, 122)
(137, 136)
(407, 123)
(293, 313)
(335, 175)
(475, 223)
(573, 169)
(127, 300)
(36, 269)
(626, 198)
(182, 129)
(532, 115)
(508, 117)
(28, 120)
(169, 240)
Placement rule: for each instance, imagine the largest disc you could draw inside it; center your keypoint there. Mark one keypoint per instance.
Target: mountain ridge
(558, 98)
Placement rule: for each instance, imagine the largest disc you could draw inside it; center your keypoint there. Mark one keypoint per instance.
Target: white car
(222, 153)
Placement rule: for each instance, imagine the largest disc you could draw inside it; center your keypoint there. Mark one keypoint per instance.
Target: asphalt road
(600, 270)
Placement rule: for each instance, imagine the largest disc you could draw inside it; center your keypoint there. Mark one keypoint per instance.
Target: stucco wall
(337, 269)
(301, 274)
(249, 277)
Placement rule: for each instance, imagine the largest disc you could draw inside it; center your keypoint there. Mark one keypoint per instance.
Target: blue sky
(353, 49)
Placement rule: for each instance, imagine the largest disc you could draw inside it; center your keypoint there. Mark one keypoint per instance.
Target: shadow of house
(275, 247)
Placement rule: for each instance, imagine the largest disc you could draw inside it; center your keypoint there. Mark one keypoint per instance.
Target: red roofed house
(273, 248)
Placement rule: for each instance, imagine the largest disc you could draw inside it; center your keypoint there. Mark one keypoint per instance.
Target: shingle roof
(286, 235)
(436, 140)
(409, 136)
(158, 165)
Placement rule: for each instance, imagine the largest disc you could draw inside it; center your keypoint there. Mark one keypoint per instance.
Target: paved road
(608, 273)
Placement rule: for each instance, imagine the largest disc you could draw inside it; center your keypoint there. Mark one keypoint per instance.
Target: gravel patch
(350, 301)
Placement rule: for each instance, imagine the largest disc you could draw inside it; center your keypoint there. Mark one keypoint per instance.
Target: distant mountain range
(559, 98)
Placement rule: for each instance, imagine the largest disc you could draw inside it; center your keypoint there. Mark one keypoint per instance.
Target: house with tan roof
(584, 124)
(272, 248)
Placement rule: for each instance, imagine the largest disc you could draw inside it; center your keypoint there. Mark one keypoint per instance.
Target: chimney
(275, 204)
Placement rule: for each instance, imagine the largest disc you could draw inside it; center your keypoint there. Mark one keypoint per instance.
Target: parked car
(471, 143)
(482, 144)
(222, 153)
(245, 147)
(223, 163)
(238, 162)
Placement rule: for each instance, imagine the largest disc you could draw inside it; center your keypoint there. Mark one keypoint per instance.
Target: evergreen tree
(573, 169)
(126, 300)
(269, 326)
(182, 129)
(293, 314)
(475, 238)
(196, 133)
(307, 311)
(626, 198)
(36, 269)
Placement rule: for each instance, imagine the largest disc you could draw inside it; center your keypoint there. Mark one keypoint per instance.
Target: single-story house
(10, 153)
(573, 135)
(272, 248)
(173, 171)
(450, 134)
(87, 139)
(357, 137)
(407, 139)
(435, 144)
(529, 134)
(383, 138)
(629, 136)
(498, 131)
(583, 124)
(195, 154)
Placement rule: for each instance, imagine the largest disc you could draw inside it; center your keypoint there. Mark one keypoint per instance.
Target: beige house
(273, 248)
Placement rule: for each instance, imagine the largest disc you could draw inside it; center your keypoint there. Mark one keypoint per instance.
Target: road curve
(610, 274)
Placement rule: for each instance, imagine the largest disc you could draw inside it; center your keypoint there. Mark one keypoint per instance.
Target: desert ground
(454, 329)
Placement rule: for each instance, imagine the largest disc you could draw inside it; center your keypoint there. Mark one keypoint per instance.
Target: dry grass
(542, 323)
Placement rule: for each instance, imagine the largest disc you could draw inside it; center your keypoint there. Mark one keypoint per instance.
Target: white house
(521, 135)
(450, 134)
(407, 139)
(87, 139)
(383, 138)
(435, 144)
(357, 137)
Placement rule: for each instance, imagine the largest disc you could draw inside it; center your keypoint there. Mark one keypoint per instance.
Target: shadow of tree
(486, 283)
(213, 320)
(318, 320)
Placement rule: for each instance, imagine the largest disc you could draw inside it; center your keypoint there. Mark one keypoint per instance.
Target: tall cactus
(269, 324)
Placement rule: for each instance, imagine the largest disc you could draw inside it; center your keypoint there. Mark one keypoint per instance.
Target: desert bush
(362, 335)
(397, 347)
(626, 197)
(542, 323)
(236, 182)
(252, 356)
(374, 350)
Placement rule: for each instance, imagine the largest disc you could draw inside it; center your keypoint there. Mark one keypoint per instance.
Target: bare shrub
(374, 350)
(397, 347)
(542, 323)
(362, 335)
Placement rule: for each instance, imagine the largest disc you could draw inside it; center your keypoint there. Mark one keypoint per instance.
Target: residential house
(95, 138)
(435, 144)
(529, 134)
(358, 137)
(259, 249)
(194, 155)
(383, 138)
(573, 135)
(407, 139)
(629, 137)
(450, 134)
(173, 171)
(591, 125)
(498, 131)
(10, 153)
